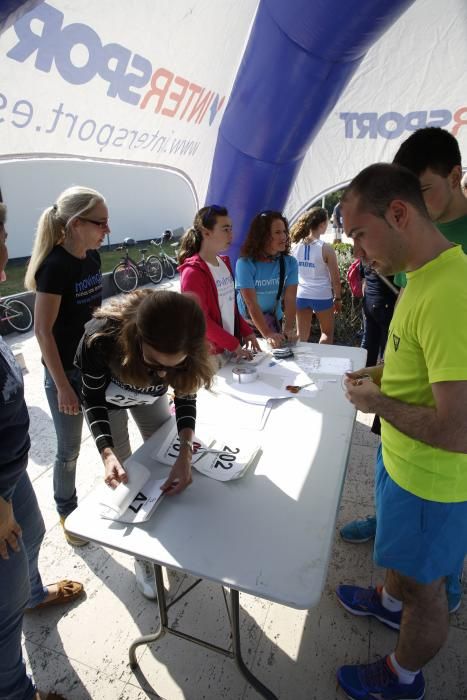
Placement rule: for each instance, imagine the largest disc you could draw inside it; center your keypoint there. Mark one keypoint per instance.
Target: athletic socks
(406, 677)
(390, 603)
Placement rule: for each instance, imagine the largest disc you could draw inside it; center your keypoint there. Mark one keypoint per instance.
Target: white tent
(130, 97)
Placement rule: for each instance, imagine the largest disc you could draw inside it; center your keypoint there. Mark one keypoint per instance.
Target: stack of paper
(135, 501)
(213, 458)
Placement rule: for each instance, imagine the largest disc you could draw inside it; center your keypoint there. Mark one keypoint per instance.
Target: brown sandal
(67, 592)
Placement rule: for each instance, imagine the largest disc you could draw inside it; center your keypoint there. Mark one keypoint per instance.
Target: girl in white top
(319, 285)
(208, 274)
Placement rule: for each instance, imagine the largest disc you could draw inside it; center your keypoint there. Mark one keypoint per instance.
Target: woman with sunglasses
(133, 349)
(208, 274)
(267, 277)
(65, 272)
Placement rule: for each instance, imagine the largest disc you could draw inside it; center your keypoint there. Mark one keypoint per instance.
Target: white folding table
(269, 533)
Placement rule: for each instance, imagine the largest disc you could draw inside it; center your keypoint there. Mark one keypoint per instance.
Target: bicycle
(169, 264)
(17, 314)
(127, 273)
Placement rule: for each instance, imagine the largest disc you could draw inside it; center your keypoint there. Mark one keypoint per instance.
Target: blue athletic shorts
(315, 304)
(425, 540)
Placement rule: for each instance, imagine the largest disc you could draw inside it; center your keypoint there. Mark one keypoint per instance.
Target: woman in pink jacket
(209, 275)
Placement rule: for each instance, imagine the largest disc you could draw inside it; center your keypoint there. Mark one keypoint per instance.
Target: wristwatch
(189, 443)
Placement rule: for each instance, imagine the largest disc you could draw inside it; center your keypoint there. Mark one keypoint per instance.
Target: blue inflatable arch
(299, 58)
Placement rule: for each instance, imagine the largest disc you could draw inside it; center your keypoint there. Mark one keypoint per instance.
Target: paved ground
(82, 653)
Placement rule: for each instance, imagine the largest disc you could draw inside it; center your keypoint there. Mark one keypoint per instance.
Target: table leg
(237, 652)
(162, 605)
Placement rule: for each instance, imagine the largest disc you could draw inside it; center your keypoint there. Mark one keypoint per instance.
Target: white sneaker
(145, 580)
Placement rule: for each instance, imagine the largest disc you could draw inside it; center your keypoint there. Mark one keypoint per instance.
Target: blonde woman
(65, 272)
(319, 285)
(134, 349)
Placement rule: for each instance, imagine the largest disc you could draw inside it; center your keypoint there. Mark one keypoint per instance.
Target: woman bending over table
(209, 275)
(266, 277)
(131, 352)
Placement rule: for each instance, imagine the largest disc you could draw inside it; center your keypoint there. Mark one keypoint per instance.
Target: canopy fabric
(413, 77)
(86, 79)
(190, 88)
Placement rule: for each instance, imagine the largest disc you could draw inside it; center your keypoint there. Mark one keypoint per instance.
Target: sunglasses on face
(101, 224)
(158, 367)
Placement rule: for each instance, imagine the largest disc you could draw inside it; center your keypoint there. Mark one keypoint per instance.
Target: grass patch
(16, 269)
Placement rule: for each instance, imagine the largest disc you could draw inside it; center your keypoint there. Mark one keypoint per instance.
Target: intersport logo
(42, 34)
(391, 125)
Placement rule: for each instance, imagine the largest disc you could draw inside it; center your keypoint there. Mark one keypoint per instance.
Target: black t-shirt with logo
(79, 283)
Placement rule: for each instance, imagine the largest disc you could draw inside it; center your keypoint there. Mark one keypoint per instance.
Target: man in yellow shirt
(434, 156)
(420, 395)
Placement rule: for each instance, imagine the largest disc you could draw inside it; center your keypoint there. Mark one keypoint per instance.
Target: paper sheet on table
(231, 459)
(231, 463)
(269, 385)
(259, 392)
(168, 452)
(135, 501)
(118, 500)
(213, 410)
(312, 364)
(280, 373)
(335, 365)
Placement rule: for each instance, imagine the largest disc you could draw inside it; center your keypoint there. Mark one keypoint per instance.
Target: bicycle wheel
(169, 270)
(19, 315)
(154, 269)
(125, 276)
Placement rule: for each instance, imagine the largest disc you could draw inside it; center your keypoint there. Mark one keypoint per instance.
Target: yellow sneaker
(72, 539)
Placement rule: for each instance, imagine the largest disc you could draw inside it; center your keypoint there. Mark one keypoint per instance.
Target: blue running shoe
(366, 602)
(454, 601)
(377, 681)
(359, 531)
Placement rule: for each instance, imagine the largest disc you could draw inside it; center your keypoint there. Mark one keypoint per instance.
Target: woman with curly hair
(266, 277)
(208, 274)
(319, 284)
(133, 349)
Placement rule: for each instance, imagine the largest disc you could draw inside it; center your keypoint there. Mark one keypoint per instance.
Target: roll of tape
(244, 375)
